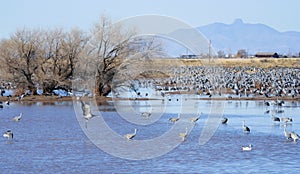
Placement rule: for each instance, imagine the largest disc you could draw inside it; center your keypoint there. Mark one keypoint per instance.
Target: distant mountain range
(252, 37)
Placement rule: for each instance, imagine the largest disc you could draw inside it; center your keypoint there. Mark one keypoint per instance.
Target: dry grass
(234, 62)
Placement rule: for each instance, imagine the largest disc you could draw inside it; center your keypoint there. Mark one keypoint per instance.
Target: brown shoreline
(104, 99)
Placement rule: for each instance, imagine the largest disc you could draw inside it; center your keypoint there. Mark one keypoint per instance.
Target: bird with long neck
(146, 114)
(285, 119)
(286, 133)
(224, 120)
(295, 136)
(194, 119)
(86, 111)
(173, 120)
(18, 118)
(275, 118)
(245, 128)
(183, 135)
(130, 136)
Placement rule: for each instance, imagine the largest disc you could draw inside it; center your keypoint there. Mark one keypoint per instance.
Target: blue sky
(17, 14)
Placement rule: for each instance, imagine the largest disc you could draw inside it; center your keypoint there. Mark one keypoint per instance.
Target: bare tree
(113, 48)
(47, 59)
(242, 53)
(221, 54)
(19, 54)
(60, 54)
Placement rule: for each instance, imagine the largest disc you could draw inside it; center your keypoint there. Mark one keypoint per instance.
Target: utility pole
(209, 50)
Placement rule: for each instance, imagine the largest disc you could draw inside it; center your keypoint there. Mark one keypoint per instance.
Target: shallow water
(49, 139)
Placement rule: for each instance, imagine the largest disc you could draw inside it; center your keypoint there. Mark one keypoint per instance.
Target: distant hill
(251, 37)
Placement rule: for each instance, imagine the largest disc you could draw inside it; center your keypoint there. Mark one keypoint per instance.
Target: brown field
(234, 62)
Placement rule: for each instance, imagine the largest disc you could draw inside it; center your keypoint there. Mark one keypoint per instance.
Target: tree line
(52, 59)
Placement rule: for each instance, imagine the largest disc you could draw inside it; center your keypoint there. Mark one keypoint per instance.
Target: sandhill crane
(295, 136)
(275, 118)
(18, 118)
(194, 119)
(183, 135)
(286, 134)
(173, 120)
(130, 136)
(87, 114)
(247, 148)
(285, 119)
(146, 114)
(267, 103)
(245, 128)
(279, 111)
(267, 112)
(224, 120)
(8, 134)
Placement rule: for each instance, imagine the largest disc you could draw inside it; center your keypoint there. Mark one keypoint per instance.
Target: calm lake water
(50, 139)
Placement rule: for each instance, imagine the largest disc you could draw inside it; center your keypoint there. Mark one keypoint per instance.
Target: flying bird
(87, 114)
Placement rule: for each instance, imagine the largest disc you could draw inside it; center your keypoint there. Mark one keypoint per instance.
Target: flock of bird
(9, 134)
(217, 81)
(288, 135)
(224, 120)
(229, 82)
(183, 135)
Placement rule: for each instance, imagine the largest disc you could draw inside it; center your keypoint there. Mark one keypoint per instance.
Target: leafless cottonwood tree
(19, 58)
(59, 56)
(32, 58)
(54, 59)
(114, 48)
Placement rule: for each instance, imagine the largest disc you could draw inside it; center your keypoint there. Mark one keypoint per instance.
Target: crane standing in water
(130, 136)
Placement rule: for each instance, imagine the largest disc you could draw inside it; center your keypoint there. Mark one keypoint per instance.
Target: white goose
(8, 134)
(247, 148)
